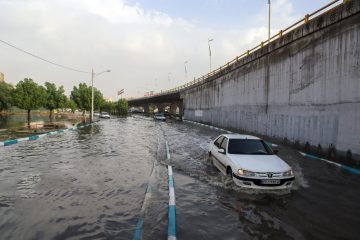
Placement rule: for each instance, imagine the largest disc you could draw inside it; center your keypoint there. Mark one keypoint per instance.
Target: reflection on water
(90, 184)
(16, 126)
(20, 120)
(26, 185)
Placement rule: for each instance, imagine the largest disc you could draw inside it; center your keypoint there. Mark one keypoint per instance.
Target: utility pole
(92, 95)
(169, 73)
(92, 91)
(269, 2)
(185, 70)
(210, 40)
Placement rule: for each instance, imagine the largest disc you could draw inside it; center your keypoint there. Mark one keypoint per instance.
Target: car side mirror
(276, 151)
(221, 151)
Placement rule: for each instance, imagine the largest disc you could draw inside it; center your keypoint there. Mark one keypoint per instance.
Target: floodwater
(90, 184)
(16, 125)
(20, 120)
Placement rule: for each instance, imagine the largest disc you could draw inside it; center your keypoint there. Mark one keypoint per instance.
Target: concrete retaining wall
(305, 87)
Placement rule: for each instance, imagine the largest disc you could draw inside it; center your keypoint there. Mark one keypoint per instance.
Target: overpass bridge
(302, 86)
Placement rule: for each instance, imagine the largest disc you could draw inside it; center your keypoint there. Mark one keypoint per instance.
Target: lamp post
(269, 2)
(210, 40)
(93, 75)
(185, 63)
(169, 74)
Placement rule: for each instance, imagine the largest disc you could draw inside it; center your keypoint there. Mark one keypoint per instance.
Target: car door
(222, 156)
(215, 148)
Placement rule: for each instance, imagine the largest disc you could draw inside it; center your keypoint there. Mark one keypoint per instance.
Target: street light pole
(92, 95)
(269, 2)
(169, 73)
(92, 91)
(185, 70)
(210, 40)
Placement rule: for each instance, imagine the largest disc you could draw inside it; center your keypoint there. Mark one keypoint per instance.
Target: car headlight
(246, 173)
(288, 173)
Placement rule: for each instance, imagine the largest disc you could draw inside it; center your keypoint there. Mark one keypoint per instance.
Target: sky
(145, 43)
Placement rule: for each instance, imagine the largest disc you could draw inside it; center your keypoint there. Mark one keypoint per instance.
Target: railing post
(307, 16)
(280, 33)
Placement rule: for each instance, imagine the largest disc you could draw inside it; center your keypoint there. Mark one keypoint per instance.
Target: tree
(109, 107)
(82, 97)
(5, 96)
(55, 97)
(29, 95)
(122, 107)
(72, 105)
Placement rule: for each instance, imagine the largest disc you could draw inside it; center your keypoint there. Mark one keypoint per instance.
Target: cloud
(138, 45)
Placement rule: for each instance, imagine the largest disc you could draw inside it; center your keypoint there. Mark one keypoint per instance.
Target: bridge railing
(325, 9)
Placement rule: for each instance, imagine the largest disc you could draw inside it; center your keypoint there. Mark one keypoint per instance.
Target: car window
(224, 144)
(249, 146)
(218, 141)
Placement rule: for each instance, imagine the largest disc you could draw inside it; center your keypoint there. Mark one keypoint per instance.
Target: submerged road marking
(167, 151)
(172, 205)
(140, 222)
(347, 168)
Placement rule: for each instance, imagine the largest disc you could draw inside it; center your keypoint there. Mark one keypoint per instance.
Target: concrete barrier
(303, 87)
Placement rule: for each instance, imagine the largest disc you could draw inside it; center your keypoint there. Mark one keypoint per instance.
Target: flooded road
(90, 184)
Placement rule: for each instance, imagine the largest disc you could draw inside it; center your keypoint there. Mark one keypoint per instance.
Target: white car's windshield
(248, 146)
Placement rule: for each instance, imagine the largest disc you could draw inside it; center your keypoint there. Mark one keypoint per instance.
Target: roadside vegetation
(28, 95)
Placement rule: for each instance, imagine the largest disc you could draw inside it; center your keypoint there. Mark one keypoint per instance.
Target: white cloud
(139, 46)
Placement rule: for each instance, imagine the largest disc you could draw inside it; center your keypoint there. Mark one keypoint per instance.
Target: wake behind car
(159, 116)
(250, 162)
(104, 115)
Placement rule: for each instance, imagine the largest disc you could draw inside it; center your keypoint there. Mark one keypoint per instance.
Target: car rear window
(248, 146)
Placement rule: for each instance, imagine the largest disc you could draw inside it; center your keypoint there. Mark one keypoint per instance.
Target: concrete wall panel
(307, 90)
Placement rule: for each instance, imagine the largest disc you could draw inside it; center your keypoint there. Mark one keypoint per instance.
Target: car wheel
(210, 158)
(229, 172)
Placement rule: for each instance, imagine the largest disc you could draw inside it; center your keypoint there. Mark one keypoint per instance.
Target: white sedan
(250, 162)
(159, 116)
(104, 115)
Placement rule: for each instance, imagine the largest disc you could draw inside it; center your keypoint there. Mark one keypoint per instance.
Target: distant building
(2, 77)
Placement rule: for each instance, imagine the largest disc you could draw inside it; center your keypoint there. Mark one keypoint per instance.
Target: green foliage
(71, 104)
(29, 95)
(55, 96)
(82, 97)
(122, 107)
(5, 95)
(109, 107)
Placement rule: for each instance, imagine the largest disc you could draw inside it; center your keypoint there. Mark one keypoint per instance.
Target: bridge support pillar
(173, 108)
(161, 108)
(146, 108)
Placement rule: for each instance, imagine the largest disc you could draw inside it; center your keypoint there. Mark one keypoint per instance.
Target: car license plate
(270, 181)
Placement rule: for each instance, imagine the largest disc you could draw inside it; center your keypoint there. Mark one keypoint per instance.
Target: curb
(35, 137)
(342, 166)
